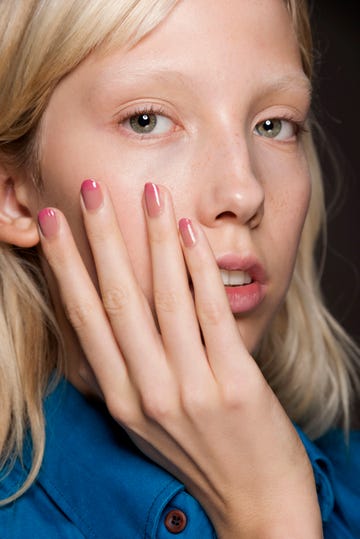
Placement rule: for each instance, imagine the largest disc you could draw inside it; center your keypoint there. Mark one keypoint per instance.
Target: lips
(244, 279)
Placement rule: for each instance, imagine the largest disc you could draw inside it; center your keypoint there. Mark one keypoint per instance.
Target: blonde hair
(40, 42)
(306, 357)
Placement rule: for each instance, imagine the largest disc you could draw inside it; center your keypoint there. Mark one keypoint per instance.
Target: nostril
(226, 215)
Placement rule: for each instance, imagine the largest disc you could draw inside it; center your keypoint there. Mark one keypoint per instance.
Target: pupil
(268, 125)
(144, 120)
(143, 123)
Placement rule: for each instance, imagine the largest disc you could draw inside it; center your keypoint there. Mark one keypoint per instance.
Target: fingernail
(91, 195)
(153, 200)
(187, 232)
(48, 222)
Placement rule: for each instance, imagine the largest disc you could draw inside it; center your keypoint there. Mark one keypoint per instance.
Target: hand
(178, 377)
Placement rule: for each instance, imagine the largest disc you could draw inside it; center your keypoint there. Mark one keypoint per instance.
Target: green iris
(269, 128)
(143, 123)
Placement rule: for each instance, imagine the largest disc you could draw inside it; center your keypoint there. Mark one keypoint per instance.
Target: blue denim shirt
(94, 483)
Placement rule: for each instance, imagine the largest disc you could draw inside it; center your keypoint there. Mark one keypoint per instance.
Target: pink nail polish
(48, 222)
(187, 232)
(153, 200)
(91, 195)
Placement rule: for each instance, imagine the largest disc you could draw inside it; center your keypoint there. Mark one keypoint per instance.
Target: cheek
(288, 209)
(287, 185)
(287, 200)
(287, 229)
(74, 149)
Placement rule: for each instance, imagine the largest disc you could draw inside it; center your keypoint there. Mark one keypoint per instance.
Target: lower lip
(245, 298)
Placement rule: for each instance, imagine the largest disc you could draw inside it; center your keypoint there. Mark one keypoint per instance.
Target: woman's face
(209, 105)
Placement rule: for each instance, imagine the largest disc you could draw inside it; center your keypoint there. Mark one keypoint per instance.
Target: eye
(145, 122)
(276, 128)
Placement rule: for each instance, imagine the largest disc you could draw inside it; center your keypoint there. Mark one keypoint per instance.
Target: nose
(230, 188)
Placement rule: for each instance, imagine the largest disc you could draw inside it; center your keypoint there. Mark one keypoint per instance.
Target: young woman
(166, 357)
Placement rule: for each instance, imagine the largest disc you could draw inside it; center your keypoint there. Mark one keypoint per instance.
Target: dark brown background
(337, 107)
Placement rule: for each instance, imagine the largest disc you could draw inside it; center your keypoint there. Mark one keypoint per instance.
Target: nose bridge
(232, 188)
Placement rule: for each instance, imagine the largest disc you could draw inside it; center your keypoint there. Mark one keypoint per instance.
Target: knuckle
(79, 314)
(210, 312)
(120, 411)
(157, 407)
(232, 396)
(115, 300)
(54, 258)
(194, 404)
(123, 405)
(166, 301)
(101, 235)
(198, 402)
(239, 393)
(159, 235)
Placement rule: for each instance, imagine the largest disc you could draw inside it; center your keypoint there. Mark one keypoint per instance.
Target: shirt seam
(180, 487)
(88, 529)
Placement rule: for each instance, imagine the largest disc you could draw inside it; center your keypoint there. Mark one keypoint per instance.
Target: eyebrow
(127, 76)
(296, 81)
(284, 82)
(133, 75)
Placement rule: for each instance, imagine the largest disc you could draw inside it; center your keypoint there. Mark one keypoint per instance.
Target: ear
(17, 225)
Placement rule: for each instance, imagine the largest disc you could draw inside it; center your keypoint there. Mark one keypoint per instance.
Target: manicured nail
(48, 222)
(91, 195)
(187, 232)
(153, 200)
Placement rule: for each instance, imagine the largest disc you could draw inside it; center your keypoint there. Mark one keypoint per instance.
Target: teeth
(235, 277)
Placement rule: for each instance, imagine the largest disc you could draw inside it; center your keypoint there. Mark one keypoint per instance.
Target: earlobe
(17, 226)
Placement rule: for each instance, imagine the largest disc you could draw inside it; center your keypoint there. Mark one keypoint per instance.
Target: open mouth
(235, 277)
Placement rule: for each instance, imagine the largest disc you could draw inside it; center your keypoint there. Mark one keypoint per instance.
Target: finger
(225, 349)
(123, 299)
(172, 296)
(80, 298)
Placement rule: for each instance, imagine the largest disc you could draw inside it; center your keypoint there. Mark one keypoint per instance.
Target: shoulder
(39, 514)
(94, 483)
(32, 515)
(344, 455)
(336, 465)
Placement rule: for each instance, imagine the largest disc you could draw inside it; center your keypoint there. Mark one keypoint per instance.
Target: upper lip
(249, 263)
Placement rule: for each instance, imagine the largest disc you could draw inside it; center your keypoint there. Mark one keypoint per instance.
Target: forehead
(211, 39)
(205, 45)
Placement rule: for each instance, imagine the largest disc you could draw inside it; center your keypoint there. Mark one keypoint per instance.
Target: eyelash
(146, 109)
(141, 110)
(299, 125)
(280, 136)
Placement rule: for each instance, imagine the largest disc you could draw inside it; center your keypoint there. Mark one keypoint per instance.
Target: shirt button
(175, 521)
